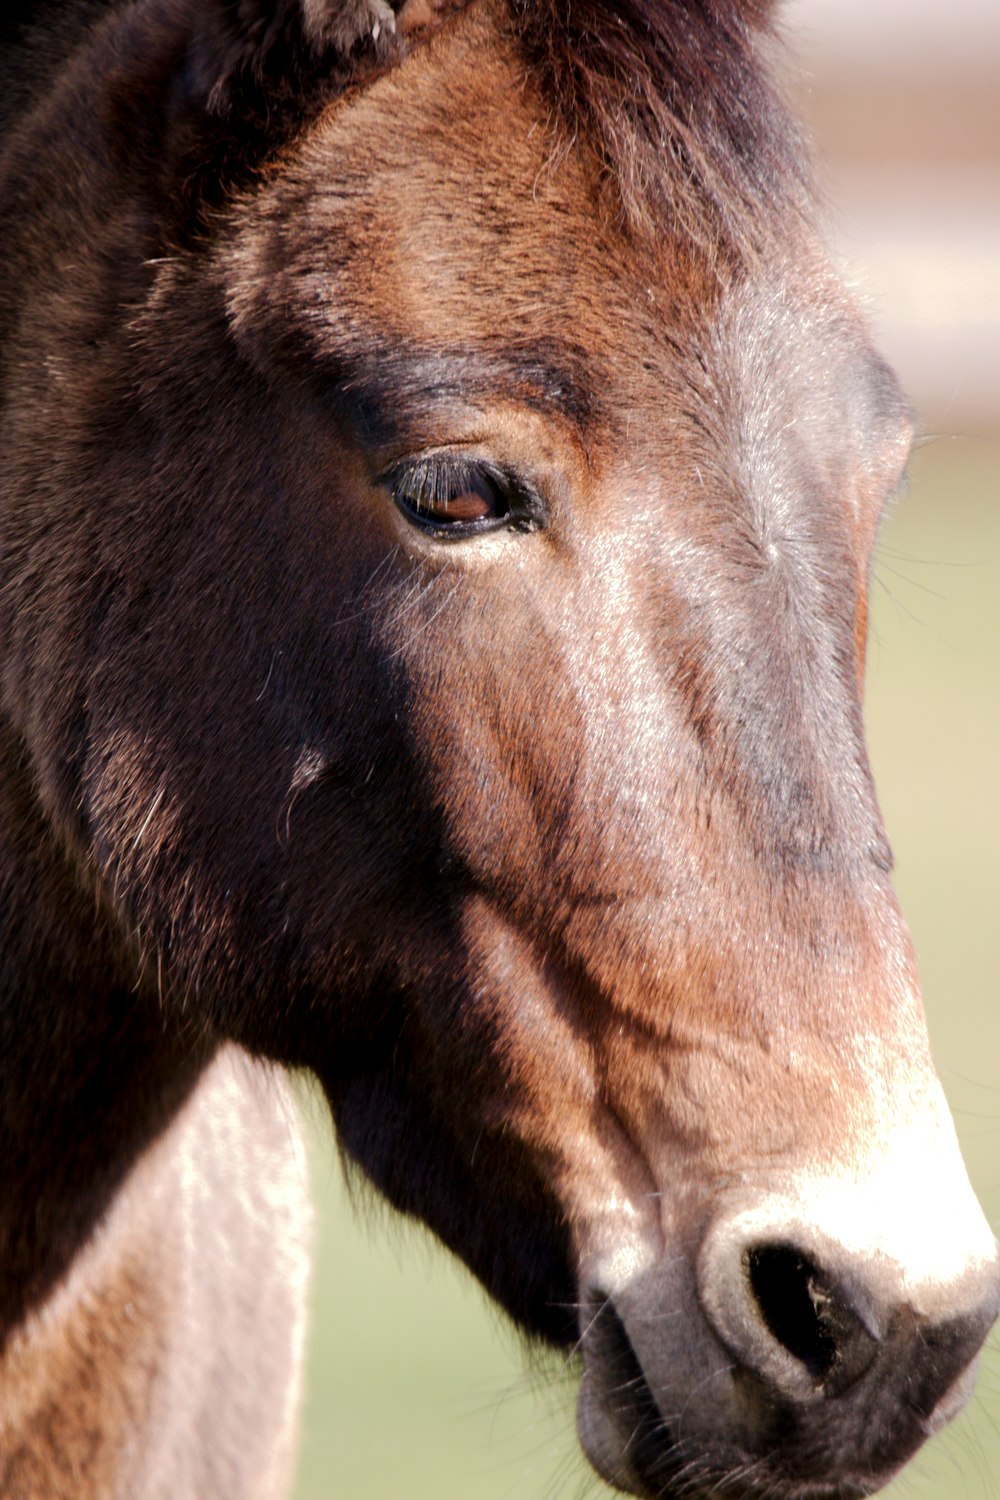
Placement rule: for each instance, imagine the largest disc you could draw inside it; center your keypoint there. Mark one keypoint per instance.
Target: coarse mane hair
(679, 105)
(672, 99)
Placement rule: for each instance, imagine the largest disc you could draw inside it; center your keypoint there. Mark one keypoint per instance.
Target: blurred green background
(415, 1387)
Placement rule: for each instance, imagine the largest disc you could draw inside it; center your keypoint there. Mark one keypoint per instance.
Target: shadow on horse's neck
(93, 1072)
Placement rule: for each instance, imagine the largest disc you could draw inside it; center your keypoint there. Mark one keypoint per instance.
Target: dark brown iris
(477, 500)
(451, 496)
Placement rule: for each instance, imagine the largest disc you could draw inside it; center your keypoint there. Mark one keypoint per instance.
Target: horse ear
(342, 24)
(236, 44)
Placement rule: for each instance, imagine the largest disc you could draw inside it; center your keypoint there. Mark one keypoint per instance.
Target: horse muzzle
(780, 1358)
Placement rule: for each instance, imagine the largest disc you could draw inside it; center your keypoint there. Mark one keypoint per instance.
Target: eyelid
(446, 458)
(527, 510)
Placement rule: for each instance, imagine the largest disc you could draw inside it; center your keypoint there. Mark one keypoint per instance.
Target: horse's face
(523, 790)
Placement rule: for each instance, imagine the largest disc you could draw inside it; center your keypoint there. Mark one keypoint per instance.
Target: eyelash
(452, 497)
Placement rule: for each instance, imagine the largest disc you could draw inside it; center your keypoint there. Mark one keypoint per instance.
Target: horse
(439, 474)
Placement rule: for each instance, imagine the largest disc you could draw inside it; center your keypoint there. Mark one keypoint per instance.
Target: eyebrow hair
(386, 389)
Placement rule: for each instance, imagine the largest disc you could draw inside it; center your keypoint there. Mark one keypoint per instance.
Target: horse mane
(677, 101)
(673, 99)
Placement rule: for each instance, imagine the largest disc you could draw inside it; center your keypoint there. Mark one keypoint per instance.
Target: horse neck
(92, 1070)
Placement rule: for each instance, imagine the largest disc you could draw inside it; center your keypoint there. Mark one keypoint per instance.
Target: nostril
(795, 1303)
(809, 1315)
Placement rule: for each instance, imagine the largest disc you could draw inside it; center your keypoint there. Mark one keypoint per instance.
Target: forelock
(675, 100)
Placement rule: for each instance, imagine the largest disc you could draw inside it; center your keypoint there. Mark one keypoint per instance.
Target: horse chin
(636, 1447)
(615, 1407)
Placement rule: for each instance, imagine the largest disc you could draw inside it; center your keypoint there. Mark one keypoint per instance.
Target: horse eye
(455, 498)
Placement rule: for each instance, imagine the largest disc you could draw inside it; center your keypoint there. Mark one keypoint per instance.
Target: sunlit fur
(553, 852)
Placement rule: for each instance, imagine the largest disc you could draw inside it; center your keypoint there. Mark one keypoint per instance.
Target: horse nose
(812, 1320)
(796, 1308)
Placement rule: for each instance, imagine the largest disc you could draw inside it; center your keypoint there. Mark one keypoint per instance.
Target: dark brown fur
(673, 100)
(553, 853)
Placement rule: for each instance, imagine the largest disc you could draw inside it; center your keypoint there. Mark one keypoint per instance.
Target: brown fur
(112, 1387)
(673, 100)
(552, 852)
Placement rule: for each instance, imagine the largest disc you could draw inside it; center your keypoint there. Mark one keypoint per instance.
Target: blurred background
(415, 1387)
